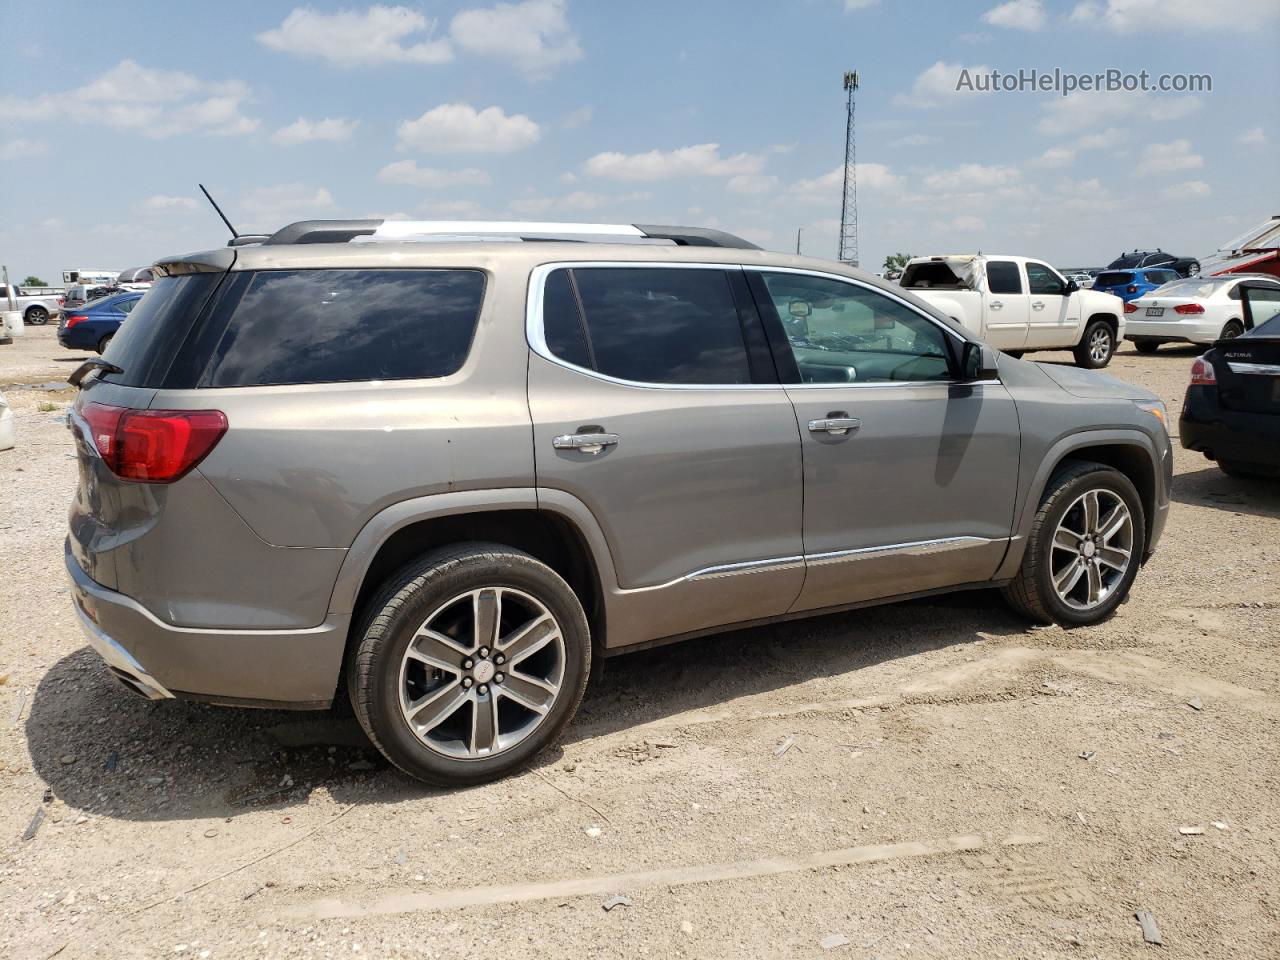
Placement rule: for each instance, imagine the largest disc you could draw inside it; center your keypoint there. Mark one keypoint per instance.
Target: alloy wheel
(1100, 345)
(481, 673)
(1092, 549)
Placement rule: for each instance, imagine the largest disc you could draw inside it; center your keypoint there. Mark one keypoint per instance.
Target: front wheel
(1084, 549)
(471, 661)
(37, 316)
(1096, 346)
(1146, 346)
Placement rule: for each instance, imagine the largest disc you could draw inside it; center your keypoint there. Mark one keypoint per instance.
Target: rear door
(695, 477)
(1054, 315)
(1005, 316)
(909, 476)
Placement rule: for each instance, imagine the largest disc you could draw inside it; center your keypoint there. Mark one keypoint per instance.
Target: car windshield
(99, 302)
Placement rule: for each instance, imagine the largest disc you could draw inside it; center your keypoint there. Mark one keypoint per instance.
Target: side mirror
(1072, 286)
(977, 362)
(1260, 303)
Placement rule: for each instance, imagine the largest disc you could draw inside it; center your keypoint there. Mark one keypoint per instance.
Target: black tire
(393, 617)
(104, 342)
(1231, 330)
(1146, 346)
(1031, 593)
(1102, 332)
(36, 316)
(1242, 470)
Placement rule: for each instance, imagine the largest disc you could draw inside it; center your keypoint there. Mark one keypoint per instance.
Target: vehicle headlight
(1156, 409)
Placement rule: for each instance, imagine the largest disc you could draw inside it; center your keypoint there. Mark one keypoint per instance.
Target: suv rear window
(1112, 279)
(330, 326)
(647, 324)
(156, 328)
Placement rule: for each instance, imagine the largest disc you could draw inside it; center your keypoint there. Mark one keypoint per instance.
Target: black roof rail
(343, 231)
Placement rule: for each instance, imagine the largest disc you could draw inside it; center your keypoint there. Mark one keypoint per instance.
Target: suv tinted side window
(648, 324)
(330, 326)
(1003, 276)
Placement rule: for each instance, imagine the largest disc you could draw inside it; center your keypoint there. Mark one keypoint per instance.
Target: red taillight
(61, 300)
(1202, 374)
(76, 318)
(1130, 308)
(1131, 289)
(1186, 308)
(153, 446)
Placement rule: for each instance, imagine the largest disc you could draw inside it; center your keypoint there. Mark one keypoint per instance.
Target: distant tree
(33, 281)
(896, 262)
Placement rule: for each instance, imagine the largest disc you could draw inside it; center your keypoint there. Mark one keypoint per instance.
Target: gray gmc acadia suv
(452, 473)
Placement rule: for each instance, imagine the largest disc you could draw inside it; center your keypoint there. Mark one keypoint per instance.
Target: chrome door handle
(996, 305)
(835, 425)
(1037, 305)
(586, 442)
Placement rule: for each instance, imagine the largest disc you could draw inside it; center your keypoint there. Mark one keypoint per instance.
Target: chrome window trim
(536, 335)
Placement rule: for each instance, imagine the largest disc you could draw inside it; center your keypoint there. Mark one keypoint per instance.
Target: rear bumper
(1220, 434)
(283, 669)
(1170, 331)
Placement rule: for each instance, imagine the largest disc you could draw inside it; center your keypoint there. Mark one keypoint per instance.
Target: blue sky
(712, 112)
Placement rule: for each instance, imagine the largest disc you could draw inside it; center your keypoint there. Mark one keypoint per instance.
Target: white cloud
(156, 103)
(914, 140)
(357, 38)
(534, 35)
(303, 130)
(962, 224)
(936, 85)
(1188, 190)
(1096, 141)
(269, 208)
(1081, 111)
(1055, 157)
(1131, 16)
(164, 202)
(460, 128)
(577, 118)
(14, 149)
(408, 172)
(1169, 157)
(701, 160)
(1017, 15)
(1253, 137)
(970, 176)
(826, 188)
(752, 183)
(575, 202)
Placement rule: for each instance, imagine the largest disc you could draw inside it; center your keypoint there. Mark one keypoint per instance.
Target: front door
(655, 404)
(909, 475)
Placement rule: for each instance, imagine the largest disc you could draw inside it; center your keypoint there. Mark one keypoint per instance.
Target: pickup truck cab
(1017, 305)
(36, 304)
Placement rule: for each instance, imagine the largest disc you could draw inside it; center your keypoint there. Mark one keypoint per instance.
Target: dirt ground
(918, 780)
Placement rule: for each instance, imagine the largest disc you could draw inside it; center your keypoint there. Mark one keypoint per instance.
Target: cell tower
(848, 252)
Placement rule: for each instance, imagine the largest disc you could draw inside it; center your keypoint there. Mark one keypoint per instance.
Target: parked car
(1231, 413)
(1018, 305)
(1199, 310)
(1183, 266)
(453, 476)
(135, 278)
(78, 294)
(36, 305)
(91, 326)
(1131, 284)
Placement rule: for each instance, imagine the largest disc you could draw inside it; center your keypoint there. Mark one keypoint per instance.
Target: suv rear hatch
(1247, 369)
(1112, 278)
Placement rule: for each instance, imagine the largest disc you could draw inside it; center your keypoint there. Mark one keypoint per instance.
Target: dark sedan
(92, 325)
(1232, 410)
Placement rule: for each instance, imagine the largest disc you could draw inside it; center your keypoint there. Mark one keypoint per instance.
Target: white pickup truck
(1018, 305)
(36, 304)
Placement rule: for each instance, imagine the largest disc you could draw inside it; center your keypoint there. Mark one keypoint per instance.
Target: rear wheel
(1232, 330)
(1096, 346)
(472, 661)
(102, 344)
(1146, 346)
(1242, 470)
(37, 316)
(1084, 548)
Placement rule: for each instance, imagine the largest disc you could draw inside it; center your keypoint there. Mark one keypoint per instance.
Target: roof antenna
(234, 234)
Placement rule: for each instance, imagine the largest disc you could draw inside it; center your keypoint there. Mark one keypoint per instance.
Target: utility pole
(848, 251)
(798, 229)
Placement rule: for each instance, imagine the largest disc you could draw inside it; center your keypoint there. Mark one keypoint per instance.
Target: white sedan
(1195, 310)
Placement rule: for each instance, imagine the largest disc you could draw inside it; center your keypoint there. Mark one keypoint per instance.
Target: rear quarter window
(330, 326)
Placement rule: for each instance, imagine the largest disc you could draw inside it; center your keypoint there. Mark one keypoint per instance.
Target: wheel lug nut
(483, 689)
(484, 652)
(499, 659)
(467, 681)
(498, 678)
(468, 663)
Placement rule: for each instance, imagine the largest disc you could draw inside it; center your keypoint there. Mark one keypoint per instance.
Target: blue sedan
(91, 326)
